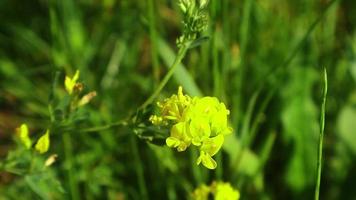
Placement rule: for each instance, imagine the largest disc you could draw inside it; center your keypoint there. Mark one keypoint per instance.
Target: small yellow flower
(71, 82)
(198, 121)
(43, 143)
(23, 134)
(201, 193)
(224, 191)
(218, 190)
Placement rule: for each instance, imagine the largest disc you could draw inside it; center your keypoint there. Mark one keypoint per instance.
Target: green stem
(139, 169)
(181, 53)
(153, 38)
(321, 136)
(105, 127)
(68, 152)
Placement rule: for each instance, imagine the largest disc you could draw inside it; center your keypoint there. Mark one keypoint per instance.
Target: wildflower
(224, 191)
(218, 190)
(43, 143)
(201, 122)
(71, 82)
(201, 193)
(22, 133)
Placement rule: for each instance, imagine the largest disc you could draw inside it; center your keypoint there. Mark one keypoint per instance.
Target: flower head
(201, 122)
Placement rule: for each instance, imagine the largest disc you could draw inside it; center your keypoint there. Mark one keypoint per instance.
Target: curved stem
(178, 59)
(181, 53)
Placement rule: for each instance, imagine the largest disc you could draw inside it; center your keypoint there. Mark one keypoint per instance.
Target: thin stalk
(105, 127)
(68, 153)
(321, 136)
(153, 38)
(139, 169)
(244, 39)
(181, 53)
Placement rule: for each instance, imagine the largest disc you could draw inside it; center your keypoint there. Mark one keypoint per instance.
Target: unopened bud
(87, 98)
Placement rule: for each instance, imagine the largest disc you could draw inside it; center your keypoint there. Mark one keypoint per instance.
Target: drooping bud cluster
(219, 190)
(195, 19)
(201, 122)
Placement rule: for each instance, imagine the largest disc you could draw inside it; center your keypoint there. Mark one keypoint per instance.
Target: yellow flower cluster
(198, 121)
(219, 190)
(42, 144)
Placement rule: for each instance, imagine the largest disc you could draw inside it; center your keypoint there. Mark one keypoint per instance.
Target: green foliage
(263, 59)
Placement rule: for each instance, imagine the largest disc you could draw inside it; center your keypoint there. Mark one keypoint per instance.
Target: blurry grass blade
(249, 162)
(73, 26)
(114, 64)
(58, 50)
(321, 134)
(346, 126)
(28, 38)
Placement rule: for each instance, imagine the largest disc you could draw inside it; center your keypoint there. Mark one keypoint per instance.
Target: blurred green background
(264, 59)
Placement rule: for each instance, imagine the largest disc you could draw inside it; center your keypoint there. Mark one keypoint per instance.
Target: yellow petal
(42, 145)
(76, 76)
(206, 160)
(172, 142)
(212, 145)
(69, 83)
(24, 137)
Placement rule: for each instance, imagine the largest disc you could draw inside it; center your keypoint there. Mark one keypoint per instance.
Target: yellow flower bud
(43, 143)
(69, 83)
(23, 134)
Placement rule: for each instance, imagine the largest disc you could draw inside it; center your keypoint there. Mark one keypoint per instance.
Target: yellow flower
(70, 82)
(198, 121)
(201, 193)
(22, 133)
(171, 109)
(217, 190)
(224, 191)
(43, 143)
